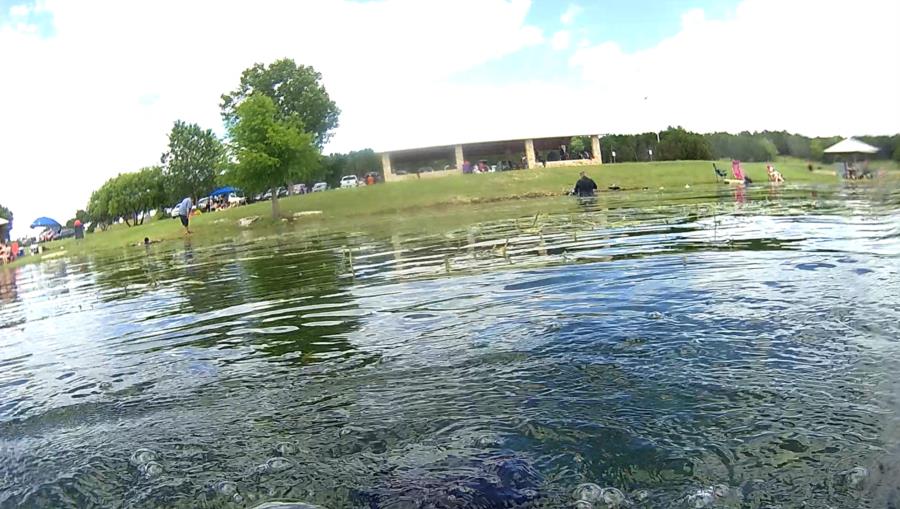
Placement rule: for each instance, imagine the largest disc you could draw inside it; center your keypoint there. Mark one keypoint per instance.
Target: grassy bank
(430, 201)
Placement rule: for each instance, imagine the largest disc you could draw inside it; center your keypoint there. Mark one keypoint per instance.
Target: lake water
(719, 350)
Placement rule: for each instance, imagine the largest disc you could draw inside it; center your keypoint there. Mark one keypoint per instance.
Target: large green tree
(358, 162)
(80, 215)
(128, 196)
(296, 91)
(194, 158)
(98, 207)
(269, 150)
(678, 144)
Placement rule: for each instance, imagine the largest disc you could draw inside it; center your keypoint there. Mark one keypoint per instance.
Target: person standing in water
(184, 213)
(585, 186)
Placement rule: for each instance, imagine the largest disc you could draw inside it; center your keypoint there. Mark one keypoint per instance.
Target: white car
(234, 199)
(349, 181)
(320, 186)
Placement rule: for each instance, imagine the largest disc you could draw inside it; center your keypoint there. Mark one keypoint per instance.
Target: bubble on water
(612, 497)
(487, 441)
(600, 497)
(151, 469)
(277, 464)
(640, 495)
(855, 477)
(142, 457)
(105, 386)
(285, 448)
(226, 488)
(237, 498)
(703, 497)
(654, 315)
(721, 490)
(589, 492)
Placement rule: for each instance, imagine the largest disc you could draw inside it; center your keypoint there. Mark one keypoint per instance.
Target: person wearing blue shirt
(184, 212)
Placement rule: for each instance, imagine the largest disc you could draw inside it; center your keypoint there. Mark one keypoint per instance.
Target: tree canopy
(80, 215)
(336, 165)
(194, 158)
(270, 151)
(677, 144)
(296, 91)
(128, 196)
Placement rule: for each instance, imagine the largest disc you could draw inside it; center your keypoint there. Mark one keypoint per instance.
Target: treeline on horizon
(676, 143)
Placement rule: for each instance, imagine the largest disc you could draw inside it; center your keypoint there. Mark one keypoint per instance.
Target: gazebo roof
(851, 146)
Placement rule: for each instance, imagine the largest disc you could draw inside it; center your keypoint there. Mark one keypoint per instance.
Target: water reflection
(693, 353)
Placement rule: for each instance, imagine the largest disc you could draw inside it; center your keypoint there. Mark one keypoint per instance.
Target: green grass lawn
(433, 202)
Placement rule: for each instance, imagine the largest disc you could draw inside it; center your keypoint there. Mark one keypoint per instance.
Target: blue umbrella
(224, 190)
(46, 222)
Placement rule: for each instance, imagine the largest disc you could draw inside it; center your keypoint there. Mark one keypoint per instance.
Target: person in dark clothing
(585, 186)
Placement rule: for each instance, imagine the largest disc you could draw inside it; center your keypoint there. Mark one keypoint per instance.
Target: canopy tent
(851, 146)
(224, 190)
(46, 222)
(3, 221)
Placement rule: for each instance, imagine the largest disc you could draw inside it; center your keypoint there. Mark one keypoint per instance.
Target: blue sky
(632, 24)
(41, 20)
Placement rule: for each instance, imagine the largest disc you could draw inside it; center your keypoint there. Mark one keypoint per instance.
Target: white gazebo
(851, 146)
(850, 149)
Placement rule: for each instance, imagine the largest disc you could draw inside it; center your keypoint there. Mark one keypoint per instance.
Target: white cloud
(818, 68)
(569, 15)
(561, 40)
(19, 11)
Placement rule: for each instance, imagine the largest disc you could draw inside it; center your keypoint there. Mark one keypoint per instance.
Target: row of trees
(276, 120)
(676, 143)
(127, 196)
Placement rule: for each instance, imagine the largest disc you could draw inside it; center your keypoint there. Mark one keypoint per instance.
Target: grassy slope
(427, 200)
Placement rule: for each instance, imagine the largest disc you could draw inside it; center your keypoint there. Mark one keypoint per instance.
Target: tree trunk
(126, 221)
(275, 213)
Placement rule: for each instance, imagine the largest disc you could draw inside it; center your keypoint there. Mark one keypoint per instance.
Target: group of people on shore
(9, 251)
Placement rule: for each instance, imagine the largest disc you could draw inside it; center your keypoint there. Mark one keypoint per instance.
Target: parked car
(299, 189)
(235, 199)
(349, 181)
(65, 233)
(320, 186)
(282, 192)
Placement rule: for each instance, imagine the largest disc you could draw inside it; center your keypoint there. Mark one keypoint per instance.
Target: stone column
(386, 167)
(595, 149)
(460, 160)
(529, 154)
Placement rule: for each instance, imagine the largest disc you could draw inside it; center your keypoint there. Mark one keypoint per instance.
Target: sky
(91, 88)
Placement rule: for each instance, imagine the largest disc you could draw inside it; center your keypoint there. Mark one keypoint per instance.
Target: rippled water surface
(715, 351)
